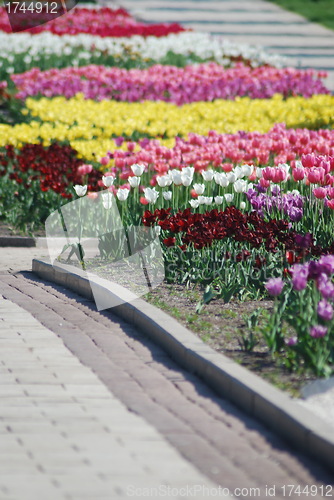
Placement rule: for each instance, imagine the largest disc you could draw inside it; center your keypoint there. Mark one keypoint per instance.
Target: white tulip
(247, 170)
(194, 203)
(242, 205)
(164, 180)
(188, 171)
(219, 200)
(108, 180)
(207, 175)
(240, 186)
(221, 179)
(229, 197)
(199, 188)
(204, 200)
(151, 195)
(231, 177)
(80, 190)
(186, 179)
(134, 181)
(122, 193)
(138, 169)
(176, 177)
(237, 171)
(167, 195)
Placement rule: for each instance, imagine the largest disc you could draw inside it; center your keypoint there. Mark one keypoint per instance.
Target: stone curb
(246, 390)
(17, 241)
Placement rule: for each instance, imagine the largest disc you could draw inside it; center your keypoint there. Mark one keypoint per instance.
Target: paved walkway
(92, 409)
(257, 22)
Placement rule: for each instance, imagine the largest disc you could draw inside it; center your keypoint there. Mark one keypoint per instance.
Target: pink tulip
(320, 192)
(85, 169)
(298, 174)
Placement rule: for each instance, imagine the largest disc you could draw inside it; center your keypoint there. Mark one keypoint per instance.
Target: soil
(223, 326)
(7, 230)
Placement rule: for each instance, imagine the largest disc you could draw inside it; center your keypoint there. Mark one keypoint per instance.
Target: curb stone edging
(23, 241)
(246, 390)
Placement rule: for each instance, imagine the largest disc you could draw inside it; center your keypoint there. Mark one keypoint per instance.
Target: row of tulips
(89, 125)
(23, 51)
(203, 82)
(102, 22)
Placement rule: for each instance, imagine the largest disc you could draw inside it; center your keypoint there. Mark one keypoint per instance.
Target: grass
(317, 11)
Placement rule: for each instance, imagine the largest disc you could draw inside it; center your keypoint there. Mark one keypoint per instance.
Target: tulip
(229, 197)
(186, 179)
(167, 195)
(325, 310)
(134, 181)
(80, 190)
(240, 186)
(105, 160)
(320, 192)
(164, 180)
(176, 177)
(151, 195)
(318, 331)
(298, 174)
(137, 169)
(274, 286)
(207, 175)
(199, 188)
(85, 169)
(194, 203)
(108, 180)
(221, 179)
(122, 194)
(219, 200)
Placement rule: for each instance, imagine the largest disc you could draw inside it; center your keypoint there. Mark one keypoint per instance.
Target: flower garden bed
(223, 152)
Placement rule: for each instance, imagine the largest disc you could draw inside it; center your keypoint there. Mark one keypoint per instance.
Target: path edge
(278, 411)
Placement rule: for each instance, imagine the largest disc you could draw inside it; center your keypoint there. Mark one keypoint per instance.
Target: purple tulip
(318, 331)
(327, 264)
(325, 310)
(299, 276)
(274, 286)
(292, 341)
(325, 287)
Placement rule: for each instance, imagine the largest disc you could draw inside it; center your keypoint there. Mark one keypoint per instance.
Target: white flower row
(202, 45)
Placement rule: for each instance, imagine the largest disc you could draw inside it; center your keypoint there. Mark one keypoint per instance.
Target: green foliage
(317, 11)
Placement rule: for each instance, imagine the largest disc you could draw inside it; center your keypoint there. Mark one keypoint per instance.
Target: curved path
(91, 409)
(256, 22)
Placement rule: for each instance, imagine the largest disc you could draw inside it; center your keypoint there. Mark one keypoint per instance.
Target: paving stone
(115, 424)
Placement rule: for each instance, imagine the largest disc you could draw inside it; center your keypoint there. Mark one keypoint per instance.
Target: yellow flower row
(89, 126)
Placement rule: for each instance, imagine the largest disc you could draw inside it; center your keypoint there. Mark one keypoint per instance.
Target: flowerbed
(84, 123)
(203, 82)
(102, 22)
(234, 171)
(46, 50)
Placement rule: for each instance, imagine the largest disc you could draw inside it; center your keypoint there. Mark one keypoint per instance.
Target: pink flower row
(101, 22)
(279, 145)
(203, 82)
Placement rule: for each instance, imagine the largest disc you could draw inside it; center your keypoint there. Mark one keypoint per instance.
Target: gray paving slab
(134, 379)
(59, 446)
